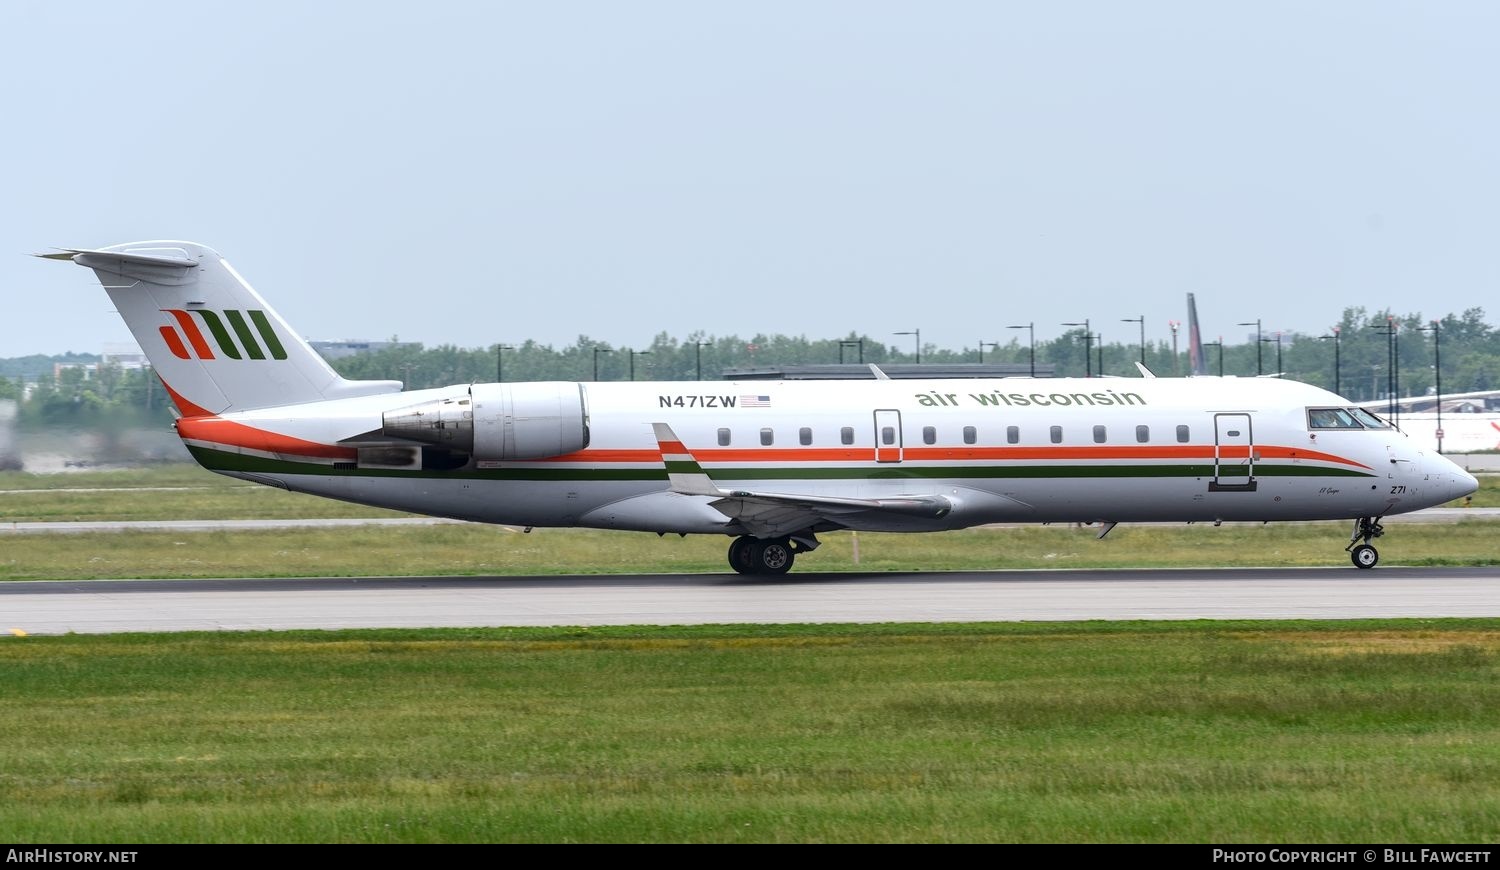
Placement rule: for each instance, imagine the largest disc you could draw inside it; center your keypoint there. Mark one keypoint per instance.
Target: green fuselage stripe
(224, 461)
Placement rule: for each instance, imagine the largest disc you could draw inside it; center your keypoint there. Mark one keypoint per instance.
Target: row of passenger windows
(929, 435)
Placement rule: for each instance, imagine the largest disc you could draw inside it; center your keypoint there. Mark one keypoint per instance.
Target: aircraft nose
(1452, 481)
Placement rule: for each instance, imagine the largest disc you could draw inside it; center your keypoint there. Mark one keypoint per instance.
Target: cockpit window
(1370, 420)
(1331, 418)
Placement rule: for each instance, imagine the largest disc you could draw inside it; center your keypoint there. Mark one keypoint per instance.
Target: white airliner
(770, 464)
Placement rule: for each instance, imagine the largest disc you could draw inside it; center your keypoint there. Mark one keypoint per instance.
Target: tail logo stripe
(174, 343)
(267, 333)
(242, 329)
(214, 320)
(190, 329)
(221, 335)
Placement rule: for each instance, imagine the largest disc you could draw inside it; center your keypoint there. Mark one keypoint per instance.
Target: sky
(473, 173)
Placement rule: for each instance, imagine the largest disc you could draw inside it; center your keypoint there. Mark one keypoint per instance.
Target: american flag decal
(755, 401)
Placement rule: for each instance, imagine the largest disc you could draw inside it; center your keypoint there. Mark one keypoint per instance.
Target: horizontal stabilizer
(165, 266)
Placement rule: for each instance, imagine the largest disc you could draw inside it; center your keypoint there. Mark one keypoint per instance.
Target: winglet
(1145, 372)
(686, 475)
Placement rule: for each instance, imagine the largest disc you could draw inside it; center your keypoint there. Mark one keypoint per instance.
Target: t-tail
(213, 341)
(1197, 364)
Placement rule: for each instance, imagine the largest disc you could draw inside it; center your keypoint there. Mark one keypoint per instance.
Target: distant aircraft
(1197, 363)
(769, 464)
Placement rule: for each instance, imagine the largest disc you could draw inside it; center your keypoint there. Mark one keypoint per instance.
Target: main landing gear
(767, 556)
(1363, 555)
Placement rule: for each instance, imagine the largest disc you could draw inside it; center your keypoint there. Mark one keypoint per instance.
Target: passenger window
(888, 435)
(1056, 434)
(766, 437)
(971, 435)
(846, 435)
(1143, 434)
(1182, 434)
(804, 436)
(723, 437)
(929, 434)
(1099, 436)
(1012, 434)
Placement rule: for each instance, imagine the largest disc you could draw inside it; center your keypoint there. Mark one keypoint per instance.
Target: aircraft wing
(770, 514)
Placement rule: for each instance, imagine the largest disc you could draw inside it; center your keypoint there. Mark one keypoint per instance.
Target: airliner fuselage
(771, 464)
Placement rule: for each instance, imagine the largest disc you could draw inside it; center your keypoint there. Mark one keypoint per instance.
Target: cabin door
(887, 436)
(1234, 454)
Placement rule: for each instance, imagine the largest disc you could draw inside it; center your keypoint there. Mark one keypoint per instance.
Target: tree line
(1355, 358)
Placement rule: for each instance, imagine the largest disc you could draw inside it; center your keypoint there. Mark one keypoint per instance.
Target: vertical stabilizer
(1197, 365)
(213, 341)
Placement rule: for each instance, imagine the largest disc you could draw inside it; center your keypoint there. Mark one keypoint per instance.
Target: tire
(739, 555)
(1364, 556)
(774, 556)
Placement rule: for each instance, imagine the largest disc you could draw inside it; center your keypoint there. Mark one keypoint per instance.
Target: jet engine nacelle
(499, 421)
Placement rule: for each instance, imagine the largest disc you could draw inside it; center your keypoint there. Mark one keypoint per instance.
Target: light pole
(1142, 321)
(918, 334)
(1088, 334)
(1392, 380)
(982, 345)
(1031, 332)
(598, 350)
(698, 356)
(1173, 324)
(1255, 323)
(1437, 377)
(1336, 362)
(1278, 351)
(1099, 349)
(852, 342)
(633, 355)
(1396, 370)
(500, 350)
(1220, 345)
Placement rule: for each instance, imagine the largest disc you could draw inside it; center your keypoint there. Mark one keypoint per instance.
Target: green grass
(1334, 732)
(168, 492)
(486, 550)
(182, 492)
(1223, 732)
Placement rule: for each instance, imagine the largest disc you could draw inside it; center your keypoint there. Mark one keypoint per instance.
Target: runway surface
(109, 606)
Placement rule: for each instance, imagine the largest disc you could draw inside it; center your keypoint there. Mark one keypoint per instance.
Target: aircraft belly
(659, 512)
(1190, 500)
(516, 503)
(646, 506)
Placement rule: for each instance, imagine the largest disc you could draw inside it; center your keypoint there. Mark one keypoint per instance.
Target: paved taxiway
(107, 606)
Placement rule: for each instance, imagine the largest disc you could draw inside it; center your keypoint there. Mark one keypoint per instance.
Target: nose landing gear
(1362, 554)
